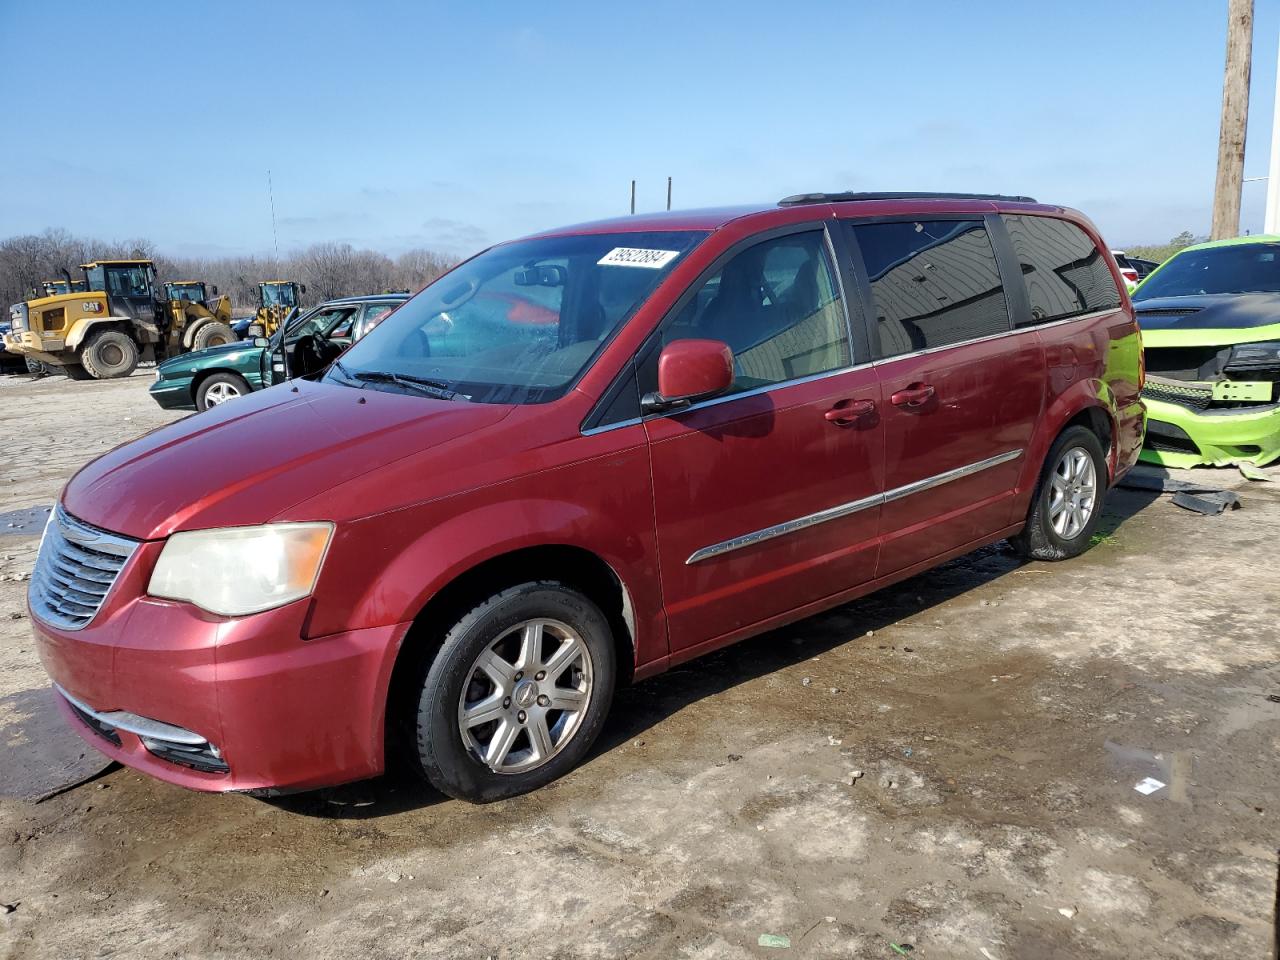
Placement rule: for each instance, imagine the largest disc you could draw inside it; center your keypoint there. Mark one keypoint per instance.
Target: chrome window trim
(846, 509)
(726, 398)
(1030, 328)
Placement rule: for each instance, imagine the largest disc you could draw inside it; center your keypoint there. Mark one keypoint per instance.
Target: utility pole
(1235, 116)
(633, 196)
(668, 193)
(1271, 223)
(271, 198)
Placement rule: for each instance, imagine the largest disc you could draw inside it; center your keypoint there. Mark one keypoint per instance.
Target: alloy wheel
(526, 695)
(220, 393)
(1072, 493)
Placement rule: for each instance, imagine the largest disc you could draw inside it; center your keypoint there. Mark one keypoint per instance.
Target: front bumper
(1180, 437)
(28, 344)
(278, 711)
(173, 394)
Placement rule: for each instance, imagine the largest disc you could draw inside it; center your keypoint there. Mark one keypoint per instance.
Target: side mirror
(302, 288)
(215, 289)
(688, 371)
(261, 342)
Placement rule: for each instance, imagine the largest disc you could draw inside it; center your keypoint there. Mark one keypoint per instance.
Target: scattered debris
(735, 757)
(1136, 480)
(1250, 472)
(907, 752)
(833, 742)
(639, 743)
(9, 907)
(901, 948)
(908, 649)
(987, 953)
(929, 738)
(855, 776)
(1209, 503)
(805, 682)
(1274, 697)
(829, 919)
(1149, 785)
(774, 940)
(1069, 912)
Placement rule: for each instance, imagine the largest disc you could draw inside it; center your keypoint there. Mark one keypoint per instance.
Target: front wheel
(1067, 505)
(219, 388)
(212, 334)
(517, 693)
(108, 354)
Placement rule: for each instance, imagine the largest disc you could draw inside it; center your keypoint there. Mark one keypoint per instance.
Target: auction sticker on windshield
(638, 257)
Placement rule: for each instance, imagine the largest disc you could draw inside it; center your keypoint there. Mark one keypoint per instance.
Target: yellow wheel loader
(103, 332)
(278, 301)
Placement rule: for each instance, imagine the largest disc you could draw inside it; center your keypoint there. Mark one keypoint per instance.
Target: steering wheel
(309, 353)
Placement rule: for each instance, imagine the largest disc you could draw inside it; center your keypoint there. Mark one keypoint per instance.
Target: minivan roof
(790, 208)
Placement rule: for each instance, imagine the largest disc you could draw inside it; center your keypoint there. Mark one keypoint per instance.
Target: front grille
(75, 570)
(1191, 396)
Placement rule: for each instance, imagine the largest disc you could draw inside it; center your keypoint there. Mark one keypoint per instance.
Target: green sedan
(205, 378)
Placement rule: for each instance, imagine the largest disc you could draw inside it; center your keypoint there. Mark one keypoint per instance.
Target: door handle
(916, 395)
(848, 411)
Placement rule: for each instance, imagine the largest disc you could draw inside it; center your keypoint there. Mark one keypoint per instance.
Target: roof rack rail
(803, 198)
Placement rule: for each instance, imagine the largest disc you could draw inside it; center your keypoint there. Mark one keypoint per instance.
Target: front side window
(776, 304)
(127, 281)
(1065, 272)
(95, 277)
(278, 295)
(1235, 268)
(518, 323)
(933, 283)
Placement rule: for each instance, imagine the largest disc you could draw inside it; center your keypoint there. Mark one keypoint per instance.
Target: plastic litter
(1149, 785)
(1208, 504)
(777, 940)
(1274, 697)
(902, 948)
(1068, 912)
(1250, 472)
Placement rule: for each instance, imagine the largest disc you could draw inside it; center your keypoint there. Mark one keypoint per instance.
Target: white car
(1127, 270)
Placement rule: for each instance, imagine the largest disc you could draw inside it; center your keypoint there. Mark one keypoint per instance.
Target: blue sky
(451, 126)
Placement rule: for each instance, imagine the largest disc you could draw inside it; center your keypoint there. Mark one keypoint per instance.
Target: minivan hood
(1221, 311)
(243, 463)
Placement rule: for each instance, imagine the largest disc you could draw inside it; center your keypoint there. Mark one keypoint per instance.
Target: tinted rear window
(1065, 273)
(934, 283)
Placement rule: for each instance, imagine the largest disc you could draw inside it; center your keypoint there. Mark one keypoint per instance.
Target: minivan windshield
(518, 323)
(1238, 268)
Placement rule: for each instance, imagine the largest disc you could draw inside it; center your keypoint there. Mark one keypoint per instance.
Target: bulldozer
(278, 301)
(120, 318)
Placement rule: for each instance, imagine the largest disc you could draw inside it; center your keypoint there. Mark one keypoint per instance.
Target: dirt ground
(1000, 715)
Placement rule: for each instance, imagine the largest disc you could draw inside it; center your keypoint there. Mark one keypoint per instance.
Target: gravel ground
(949, 764)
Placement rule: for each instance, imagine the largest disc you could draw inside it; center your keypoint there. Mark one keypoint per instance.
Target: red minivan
(455, 543)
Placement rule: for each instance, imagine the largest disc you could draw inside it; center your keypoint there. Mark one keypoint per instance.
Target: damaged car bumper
(1212, 395)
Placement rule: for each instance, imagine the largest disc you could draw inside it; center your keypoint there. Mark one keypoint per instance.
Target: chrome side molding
(846, 509)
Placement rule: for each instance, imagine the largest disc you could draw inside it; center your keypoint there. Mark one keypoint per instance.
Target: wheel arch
(574, 566)
(81, 329)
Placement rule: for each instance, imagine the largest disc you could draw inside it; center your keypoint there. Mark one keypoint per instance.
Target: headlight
(1254, 357)
(241, 570)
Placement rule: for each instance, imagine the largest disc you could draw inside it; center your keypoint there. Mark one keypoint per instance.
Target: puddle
(1172, 768)
(28, 522)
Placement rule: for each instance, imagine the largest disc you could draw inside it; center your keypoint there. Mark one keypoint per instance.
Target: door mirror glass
(691, 370)
(261, 342)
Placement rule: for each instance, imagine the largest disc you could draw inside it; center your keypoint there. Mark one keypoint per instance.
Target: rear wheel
(1067, 506)
(219, 388)
(517, 693)
(108, 354)
(212, 334)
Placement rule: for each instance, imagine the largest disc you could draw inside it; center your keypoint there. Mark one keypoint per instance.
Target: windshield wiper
(432, 388)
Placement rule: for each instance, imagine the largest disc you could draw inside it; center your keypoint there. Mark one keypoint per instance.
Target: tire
(218, 388)
(212, 334)
(35, 367)
(108, 354)
(76, 372)
(448, 748)
(1059, 533)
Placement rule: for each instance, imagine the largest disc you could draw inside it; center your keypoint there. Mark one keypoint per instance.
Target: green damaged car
(206, 378)
(1210, 319)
